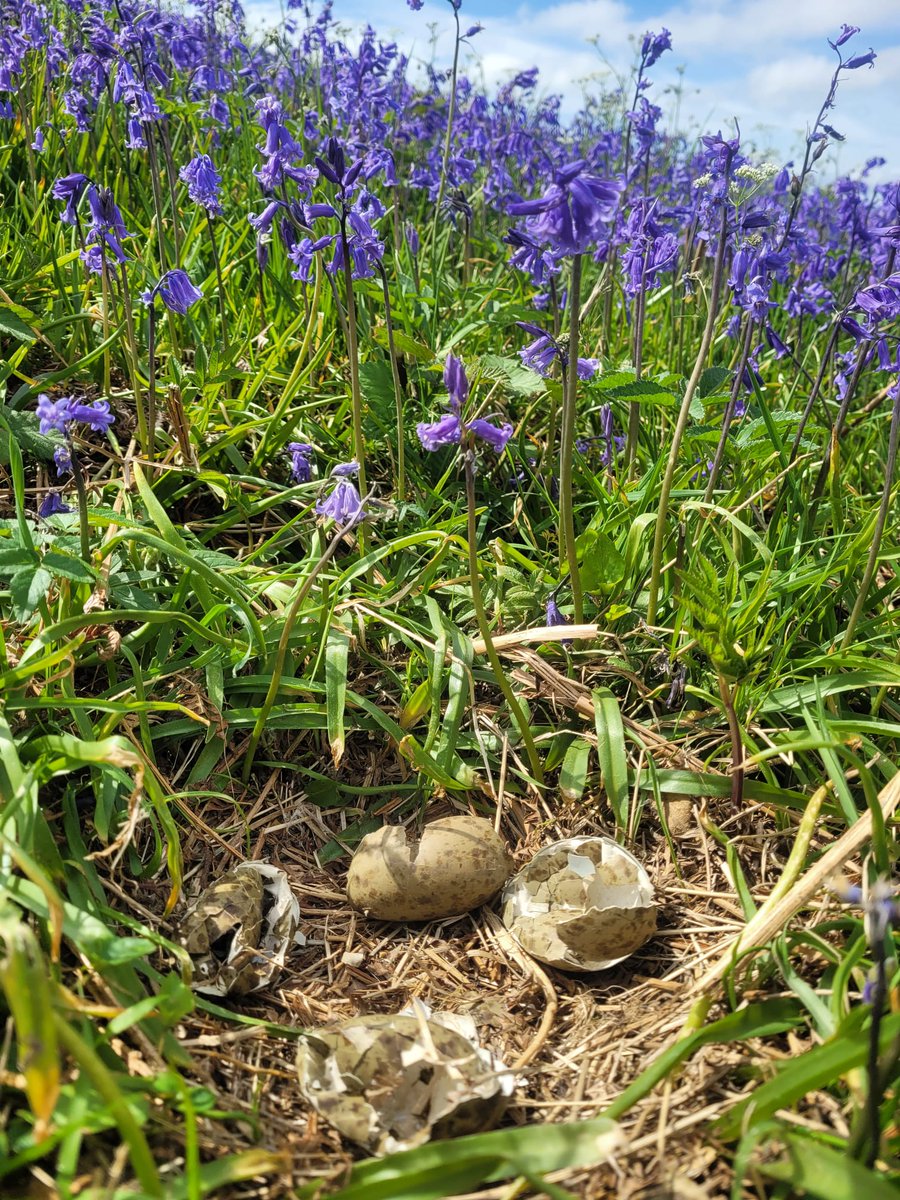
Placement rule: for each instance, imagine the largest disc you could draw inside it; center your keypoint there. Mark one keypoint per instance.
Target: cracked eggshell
(583, 904)
(393, 1082)
(458, 863)
(239, 930)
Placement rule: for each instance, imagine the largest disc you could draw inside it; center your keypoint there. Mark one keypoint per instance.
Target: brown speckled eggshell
(459, 863)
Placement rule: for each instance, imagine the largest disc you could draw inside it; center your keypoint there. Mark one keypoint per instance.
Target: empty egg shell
(583, 904)
(393, 1082)
(239, 930)
(459, 863)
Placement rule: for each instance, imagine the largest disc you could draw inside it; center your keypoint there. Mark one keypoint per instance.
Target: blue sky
(765, 62)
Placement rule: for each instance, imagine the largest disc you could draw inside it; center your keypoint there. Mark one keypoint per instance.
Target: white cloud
(764, 62)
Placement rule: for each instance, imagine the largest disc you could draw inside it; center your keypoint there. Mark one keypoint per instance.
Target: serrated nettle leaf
(68, 566)
(713, 380)
(517, 378)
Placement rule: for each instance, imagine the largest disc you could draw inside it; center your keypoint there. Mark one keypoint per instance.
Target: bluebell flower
(175, 290)
(301, 467)
(654, 45)
(343, 503)
(70, 188)
(571, 213)
(51, 505)
(541, 354)
(495, 436)
(415, 5)
(456, 382)
(203, 183)
(446, 431)
(554, 616)
(860, 60)
(847, 32)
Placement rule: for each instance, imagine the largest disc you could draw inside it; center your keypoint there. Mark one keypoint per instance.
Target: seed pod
(393, 1082)
(238, 931)
(583, 904)
(459, 863)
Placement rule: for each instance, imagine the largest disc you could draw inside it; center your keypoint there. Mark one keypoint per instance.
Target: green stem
(81, 493)
(218, 265)
(567, 447)
(398, 389)
(481, 617)
(659, 533)
(359, 445)
(145, 435)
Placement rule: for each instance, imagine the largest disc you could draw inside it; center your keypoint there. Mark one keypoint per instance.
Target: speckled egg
(458, 863)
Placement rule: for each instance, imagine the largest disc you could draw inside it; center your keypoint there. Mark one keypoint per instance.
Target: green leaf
(574, 769)
(602, 566)
(754, 1020)
(815, 1069)
(336, 650)
(27, 588)
(447, 1168)
(404, 344)
(712, 381)
(611, 753)
(818, 1170)
(13, 325)
(68, 566)
(516, 377)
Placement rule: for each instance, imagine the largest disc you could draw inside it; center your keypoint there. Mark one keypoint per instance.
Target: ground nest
(575, 1041)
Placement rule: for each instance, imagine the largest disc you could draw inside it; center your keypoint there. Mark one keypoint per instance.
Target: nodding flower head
(572, 212)
(60, 415)
(456, 382)
(343, 503)
(175, 290)
(203, 183)
(301, 467)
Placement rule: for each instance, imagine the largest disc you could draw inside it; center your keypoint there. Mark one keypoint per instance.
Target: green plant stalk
(883, 510)
(218, 265)
(398, 388)
(81, 493)
(359, 444)
(729, 411)
(567, 448)
(277, 665)
(737, 745)
(481, 616)
(144, 433)
(104, 287)
(102, 1080)
(659, 533)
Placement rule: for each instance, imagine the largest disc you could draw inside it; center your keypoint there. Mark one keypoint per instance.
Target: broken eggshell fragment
(393, 1082)
(458, 863)
(239, 930)
(583, 904)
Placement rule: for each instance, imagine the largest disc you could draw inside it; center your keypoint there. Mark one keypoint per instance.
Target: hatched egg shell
(458, 863)
(583, 904)
(393, 1082)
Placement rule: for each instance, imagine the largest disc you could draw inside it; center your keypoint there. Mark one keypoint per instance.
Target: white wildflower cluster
(759, 173)
(703, 180)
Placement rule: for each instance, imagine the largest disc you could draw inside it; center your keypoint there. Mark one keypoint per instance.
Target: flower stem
(359, 444)
(567, 446)
(659, 533)
(81, 494)
(481, 617)
(398, 387)
(218, 264)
